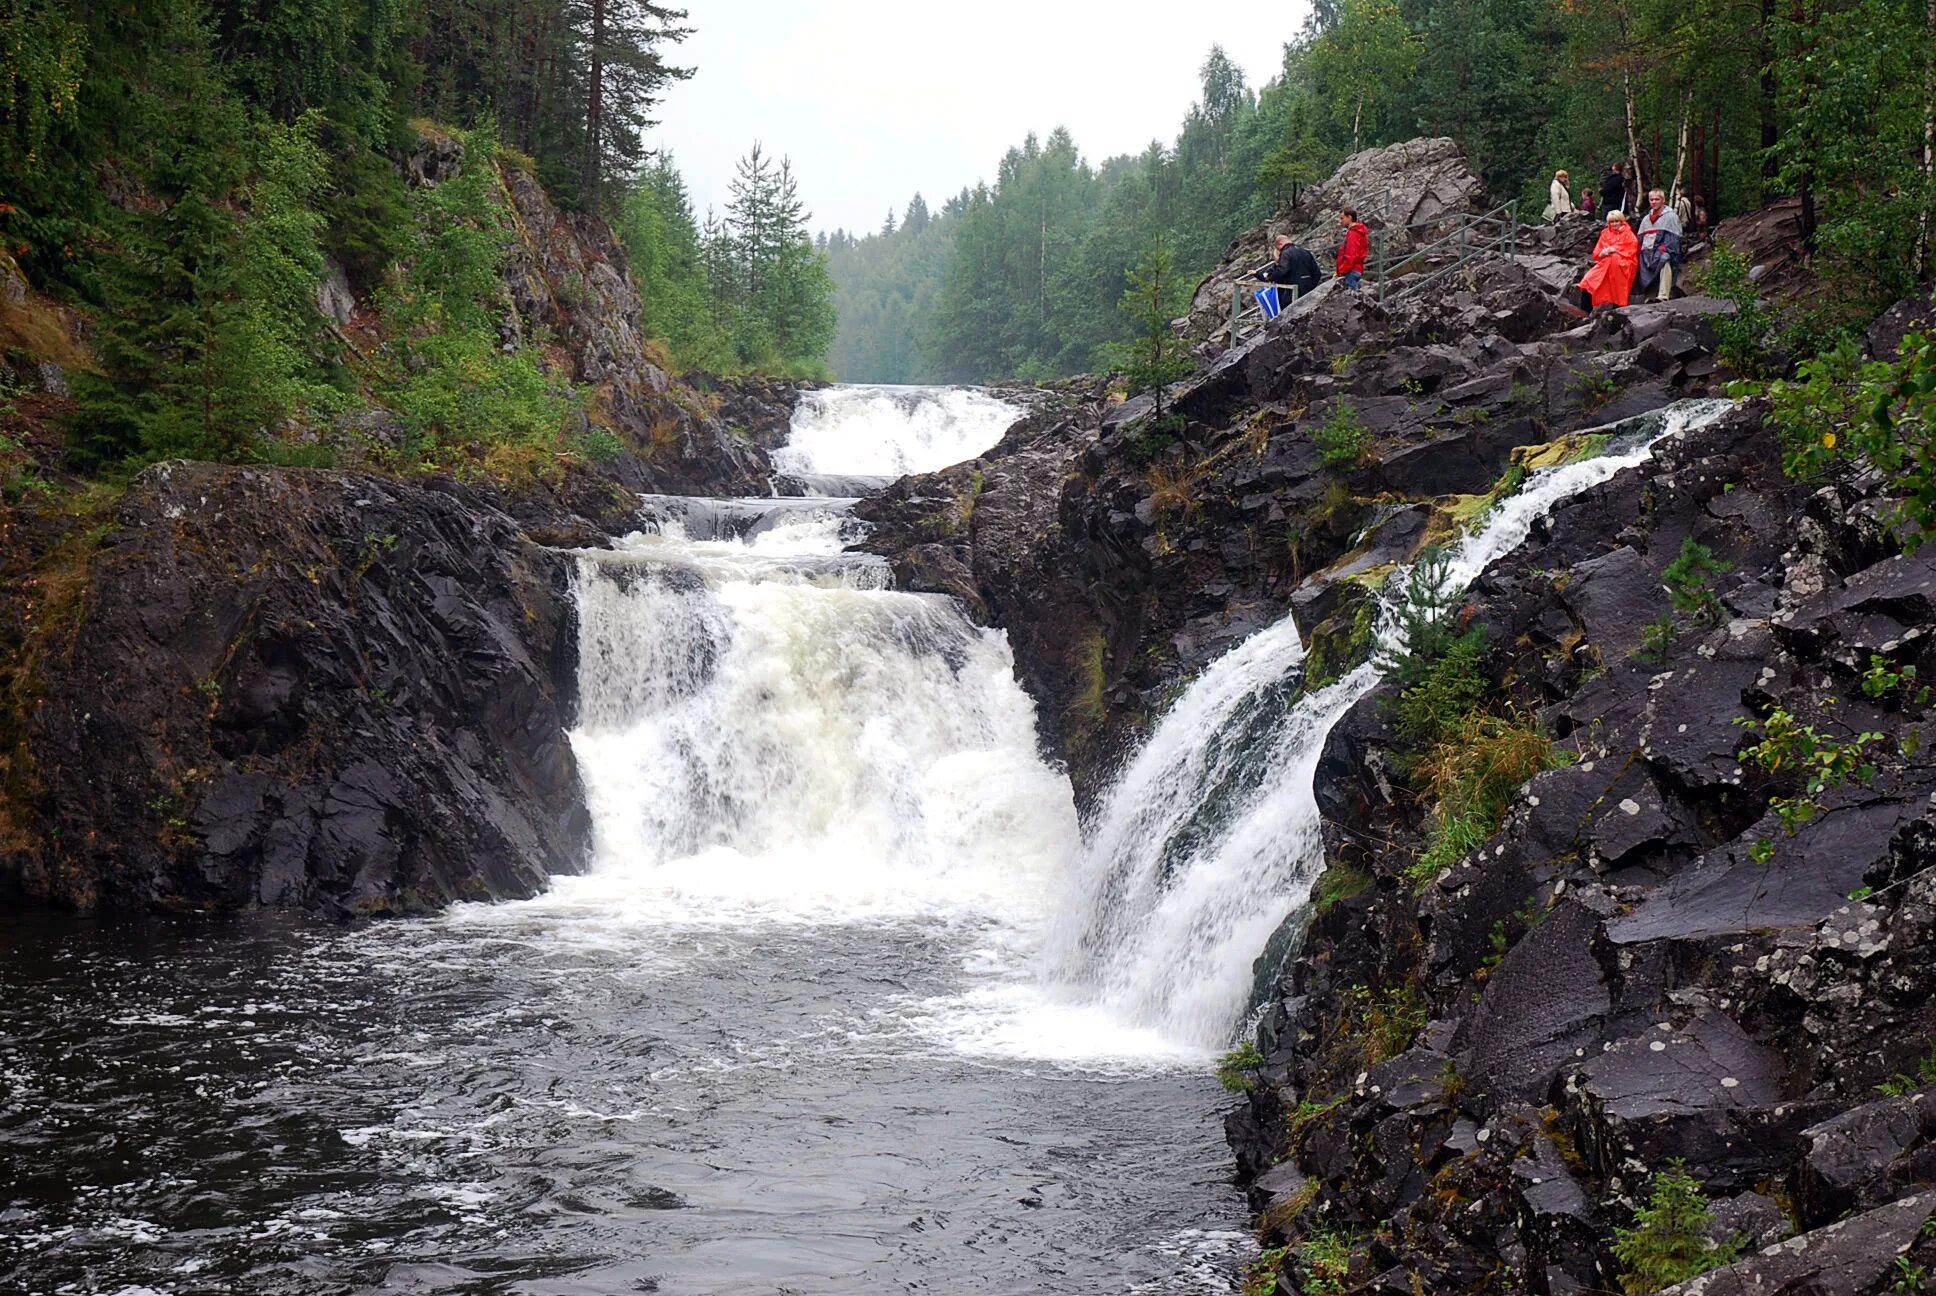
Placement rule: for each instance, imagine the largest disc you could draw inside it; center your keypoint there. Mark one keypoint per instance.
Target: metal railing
(1490, 235)
(1247, 313)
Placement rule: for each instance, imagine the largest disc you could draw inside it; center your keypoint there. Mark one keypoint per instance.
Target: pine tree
(1156, 357)
(1669, 1240)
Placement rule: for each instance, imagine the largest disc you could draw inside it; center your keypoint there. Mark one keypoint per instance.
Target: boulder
(1420, 182)
(1857, 1257)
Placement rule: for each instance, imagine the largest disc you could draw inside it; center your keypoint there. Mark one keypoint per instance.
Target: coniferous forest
(1830, 101)
(187, 173)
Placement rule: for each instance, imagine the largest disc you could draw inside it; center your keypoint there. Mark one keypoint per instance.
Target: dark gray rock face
(1643, 964)
(1882, 1253)
(309, 690)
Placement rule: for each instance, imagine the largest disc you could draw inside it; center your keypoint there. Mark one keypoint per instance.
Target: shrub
(1881, 414)
(1424, 632)
(1669, 1241)
(1341, 437)
(1689, 579)
(1471, 774)
(1237, 1069)
(1743, 337)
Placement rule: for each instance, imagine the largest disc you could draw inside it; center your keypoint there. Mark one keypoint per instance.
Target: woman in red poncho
(1615, 258)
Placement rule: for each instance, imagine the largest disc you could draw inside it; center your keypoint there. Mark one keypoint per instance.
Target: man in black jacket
(1613, 189)
(1294, 265)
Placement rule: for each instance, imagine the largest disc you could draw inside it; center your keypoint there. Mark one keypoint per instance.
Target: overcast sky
(875, 100)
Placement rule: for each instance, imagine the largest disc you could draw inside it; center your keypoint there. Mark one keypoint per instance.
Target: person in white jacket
(1561, 202)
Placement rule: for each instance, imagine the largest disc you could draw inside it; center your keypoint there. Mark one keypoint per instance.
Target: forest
(188, 173)
(1831, 101)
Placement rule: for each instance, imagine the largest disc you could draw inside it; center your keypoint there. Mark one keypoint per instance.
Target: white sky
(875, 100)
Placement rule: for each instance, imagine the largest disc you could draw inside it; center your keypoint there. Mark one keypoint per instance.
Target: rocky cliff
(337, 690)
(1121, 560)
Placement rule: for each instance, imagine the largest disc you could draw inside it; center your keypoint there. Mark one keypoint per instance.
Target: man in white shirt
(1661, 220)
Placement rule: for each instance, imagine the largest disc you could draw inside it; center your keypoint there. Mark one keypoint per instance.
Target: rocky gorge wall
(343, 691)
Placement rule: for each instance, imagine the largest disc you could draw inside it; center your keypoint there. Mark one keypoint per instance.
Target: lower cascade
(1210, 840)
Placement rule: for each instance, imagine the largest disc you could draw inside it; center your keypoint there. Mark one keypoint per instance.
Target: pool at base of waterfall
(531, 1100)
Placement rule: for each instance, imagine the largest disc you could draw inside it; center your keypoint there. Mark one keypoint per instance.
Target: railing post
(1236, 309)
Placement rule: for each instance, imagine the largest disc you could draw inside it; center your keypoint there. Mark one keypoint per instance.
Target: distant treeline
(1831, 100)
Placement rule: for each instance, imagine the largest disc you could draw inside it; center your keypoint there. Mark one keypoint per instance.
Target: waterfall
(768, 734)
(1210, 837)
(887, 432)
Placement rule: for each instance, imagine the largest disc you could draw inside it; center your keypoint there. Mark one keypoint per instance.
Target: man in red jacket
(1357, 244)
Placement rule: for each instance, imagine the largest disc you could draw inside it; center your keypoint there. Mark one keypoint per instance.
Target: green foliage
(1689, 582)
(1790, 748)
(1882, 414)
(1883, 679)
(1470, 775)
(1669, 1241)
(444, 371)
(678, 300)
(1237, 1069)
(1325, 1258)
(211, 338)
(1341, 437)
(1155, 356)
(1424, 629)
(1340, 882)
(1902, 1084)
(1448, 687)
(1742, 338)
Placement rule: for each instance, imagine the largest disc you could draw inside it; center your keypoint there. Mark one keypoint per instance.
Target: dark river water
(503, 1103)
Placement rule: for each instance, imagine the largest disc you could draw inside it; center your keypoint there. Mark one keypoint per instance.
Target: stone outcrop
(307, 689)
(1408, 191)
(1643, 965)
(1120, 563)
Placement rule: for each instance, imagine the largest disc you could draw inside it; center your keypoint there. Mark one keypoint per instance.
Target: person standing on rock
(1357, 246)
(1615, 258)
(1613, 189)
(1660, 246)
(1294, 266)
(1586, 201)
(1560, 201)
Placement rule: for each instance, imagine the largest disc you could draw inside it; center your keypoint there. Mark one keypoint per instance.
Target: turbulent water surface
(790, 1032)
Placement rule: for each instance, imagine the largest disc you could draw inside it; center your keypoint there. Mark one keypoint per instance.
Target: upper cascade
(891, 431)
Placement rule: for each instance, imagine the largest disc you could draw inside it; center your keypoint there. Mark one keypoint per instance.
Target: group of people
(1296, 268)
(1632, 255)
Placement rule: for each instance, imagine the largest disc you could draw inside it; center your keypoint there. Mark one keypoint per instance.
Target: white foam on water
(882, 431)
(771, 743)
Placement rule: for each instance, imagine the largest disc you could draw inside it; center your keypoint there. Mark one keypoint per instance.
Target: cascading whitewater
(891, 431)
(1210, 838)
(766, 732)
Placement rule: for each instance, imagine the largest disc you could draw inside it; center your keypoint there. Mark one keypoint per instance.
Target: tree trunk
(1633, 140)
(1770, 131)
(1680, 152)
(1929, 147)
(594, 104)
(1357, 119)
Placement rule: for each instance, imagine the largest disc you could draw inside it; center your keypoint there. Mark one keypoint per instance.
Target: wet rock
(1701, 1091)
(1867, 1156)
(1544, 1006)
(309, 690)
(1856, 1257)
